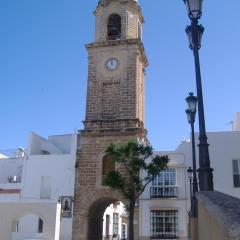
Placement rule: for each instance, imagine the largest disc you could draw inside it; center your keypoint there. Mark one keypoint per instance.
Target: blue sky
(43, 67)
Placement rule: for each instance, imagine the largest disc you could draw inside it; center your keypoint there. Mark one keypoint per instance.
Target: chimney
(236, 122)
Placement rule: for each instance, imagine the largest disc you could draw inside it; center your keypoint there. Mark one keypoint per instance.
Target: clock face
(112, 64)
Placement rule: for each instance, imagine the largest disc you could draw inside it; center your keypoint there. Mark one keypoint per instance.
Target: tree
(133, 157)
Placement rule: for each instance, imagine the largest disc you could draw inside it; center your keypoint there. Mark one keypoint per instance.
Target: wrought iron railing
(164, 192)
(165, 236)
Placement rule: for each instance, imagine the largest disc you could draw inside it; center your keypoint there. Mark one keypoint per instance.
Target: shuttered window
(236, 173)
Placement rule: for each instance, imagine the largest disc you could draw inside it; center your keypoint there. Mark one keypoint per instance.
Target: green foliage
(133, 157)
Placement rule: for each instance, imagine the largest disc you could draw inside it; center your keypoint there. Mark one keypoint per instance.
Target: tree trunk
(131, 221)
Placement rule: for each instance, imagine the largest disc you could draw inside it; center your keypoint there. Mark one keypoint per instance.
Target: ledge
(9, 191)
(224, 209)
(118, 42)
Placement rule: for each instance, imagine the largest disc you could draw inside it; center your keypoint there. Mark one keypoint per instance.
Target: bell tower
(116, 67)
(114, 108)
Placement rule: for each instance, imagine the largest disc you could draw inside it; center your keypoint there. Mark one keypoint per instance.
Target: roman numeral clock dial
(112, 64)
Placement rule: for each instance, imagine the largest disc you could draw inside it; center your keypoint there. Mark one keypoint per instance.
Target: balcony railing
(11, 153)
(165, 236)
(164, 192)
(29, 236)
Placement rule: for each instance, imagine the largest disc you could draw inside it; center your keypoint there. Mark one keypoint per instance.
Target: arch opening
(114, 27)
(107, 220)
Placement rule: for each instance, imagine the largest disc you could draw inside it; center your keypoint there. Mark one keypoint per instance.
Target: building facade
(37, 191)
(32, 184)
(164, 205)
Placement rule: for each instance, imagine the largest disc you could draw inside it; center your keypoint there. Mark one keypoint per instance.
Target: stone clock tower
(114, 110)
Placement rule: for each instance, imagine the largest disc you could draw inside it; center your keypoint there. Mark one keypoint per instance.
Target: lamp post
(192, 225)
(194, 32)
(190, 177)
(191, 113)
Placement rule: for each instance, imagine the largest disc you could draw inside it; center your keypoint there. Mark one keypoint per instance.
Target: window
(107, 166)
(40, 225)
(114, 27)
(107, 225)
(164, 184)
(45, 192)
(124, 232)
(164, 224)
(115, 223)
(236, 173)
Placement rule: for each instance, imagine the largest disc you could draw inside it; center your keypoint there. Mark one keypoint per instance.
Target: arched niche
(114, 27)
(108, 165)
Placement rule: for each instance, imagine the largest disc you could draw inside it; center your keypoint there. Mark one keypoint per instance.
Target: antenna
(230, 123)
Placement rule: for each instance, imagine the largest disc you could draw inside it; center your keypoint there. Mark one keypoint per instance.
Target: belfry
(114, 109)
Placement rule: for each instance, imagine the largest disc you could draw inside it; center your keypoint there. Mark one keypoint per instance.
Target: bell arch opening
(107, 219)
(114, 27)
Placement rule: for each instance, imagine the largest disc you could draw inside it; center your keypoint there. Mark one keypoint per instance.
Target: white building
(115, 222)
(37, 190)
(163, 207)
(224, 154)
(31, 184)
(165, 204)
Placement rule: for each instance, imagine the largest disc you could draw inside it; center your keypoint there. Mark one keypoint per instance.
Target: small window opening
(40, 225)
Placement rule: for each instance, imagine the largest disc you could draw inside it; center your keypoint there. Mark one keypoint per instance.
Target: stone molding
(109, 43)
(134, 4)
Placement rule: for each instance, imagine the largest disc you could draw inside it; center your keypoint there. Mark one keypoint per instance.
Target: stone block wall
(91, 197)
(128, 10)
(118, 94)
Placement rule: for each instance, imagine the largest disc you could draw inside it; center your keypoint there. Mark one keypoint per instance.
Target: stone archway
(88, 220)
(95, 217)
(91, 197)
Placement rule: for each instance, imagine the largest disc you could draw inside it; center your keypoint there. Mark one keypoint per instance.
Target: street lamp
(191, 113)
(194, 32)
(190, 177)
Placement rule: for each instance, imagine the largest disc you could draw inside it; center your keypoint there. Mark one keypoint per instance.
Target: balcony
(165, 236)
(164, 192)
(11, 166)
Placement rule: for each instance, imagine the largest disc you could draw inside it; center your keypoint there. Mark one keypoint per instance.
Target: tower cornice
(131, 3)
(121, 42)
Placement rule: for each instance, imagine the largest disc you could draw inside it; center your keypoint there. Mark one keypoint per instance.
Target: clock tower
(114, 108)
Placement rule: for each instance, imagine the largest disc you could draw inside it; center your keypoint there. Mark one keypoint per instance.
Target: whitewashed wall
(223, 148)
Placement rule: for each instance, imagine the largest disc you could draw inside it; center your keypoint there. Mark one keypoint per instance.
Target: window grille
(124, 232)
(164, 224)
(115, 223)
